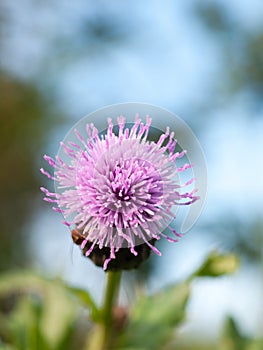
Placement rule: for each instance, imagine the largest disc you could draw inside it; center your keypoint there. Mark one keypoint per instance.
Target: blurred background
(203, 60)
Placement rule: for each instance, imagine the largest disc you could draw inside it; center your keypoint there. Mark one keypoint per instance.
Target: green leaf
(131, 348)
(85, 298)
(44, 309)
(154, 318)
(4, 346)
(73, 337)
(255, 344)
(232, 338)
(24, 324)
(7, 347)
(217, 264)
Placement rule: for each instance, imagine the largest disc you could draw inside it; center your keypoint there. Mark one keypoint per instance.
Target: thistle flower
(119, 189)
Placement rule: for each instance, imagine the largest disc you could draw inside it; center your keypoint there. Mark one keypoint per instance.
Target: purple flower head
(119, 188)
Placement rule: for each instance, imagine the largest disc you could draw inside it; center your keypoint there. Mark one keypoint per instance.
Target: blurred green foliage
(242, 235)
(234, 340)
(214, 15)
(92, 37)
(26, 116)
(217, 265)
(153, 319)
(37, 313)
(241, 50)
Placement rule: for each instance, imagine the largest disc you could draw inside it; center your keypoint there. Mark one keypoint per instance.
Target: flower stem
(102, 336)
(111, 295)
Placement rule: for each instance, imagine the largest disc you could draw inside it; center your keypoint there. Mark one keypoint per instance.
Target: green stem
(111, 295)
(102, 336)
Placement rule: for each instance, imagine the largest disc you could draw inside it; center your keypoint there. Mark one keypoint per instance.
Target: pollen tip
(133, 251)
(66, 223)
(105, 265)
(82, 246)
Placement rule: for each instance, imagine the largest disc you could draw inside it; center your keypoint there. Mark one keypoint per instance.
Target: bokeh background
(203, 60)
